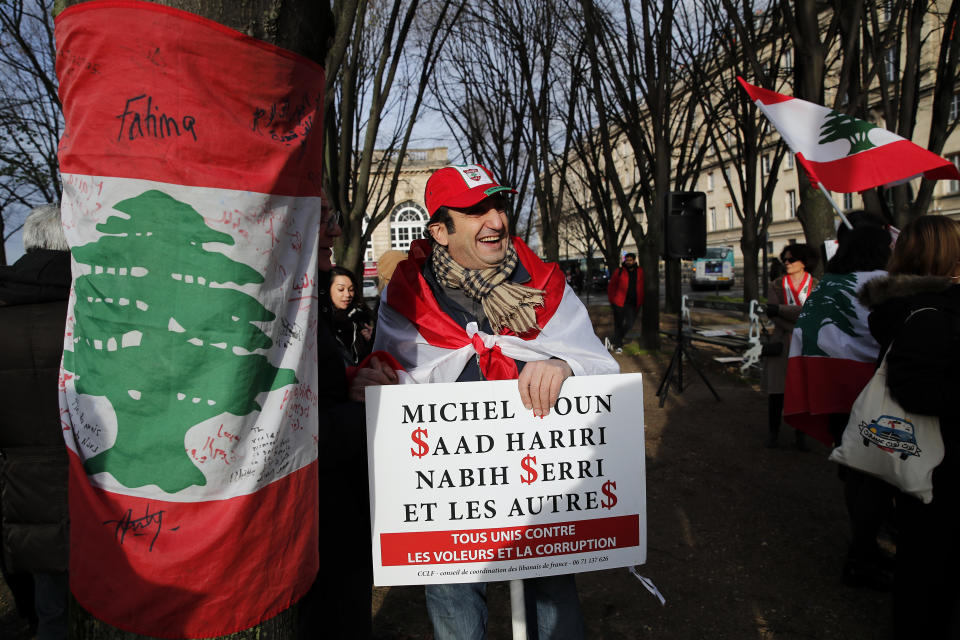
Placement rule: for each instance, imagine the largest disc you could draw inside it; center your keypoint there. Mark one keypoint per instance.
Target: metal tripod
(683, 349)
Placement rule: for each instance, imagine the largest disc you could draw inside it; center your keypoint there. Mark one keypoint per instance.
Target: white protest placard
(468, 486)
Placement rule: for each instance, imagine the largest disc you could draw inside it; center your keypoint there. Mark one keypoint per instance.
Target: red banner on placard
(509, 543)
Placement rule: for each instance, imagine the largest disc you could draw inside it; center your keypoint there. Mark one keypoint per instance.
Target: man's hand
(378, 373)
(540, 383)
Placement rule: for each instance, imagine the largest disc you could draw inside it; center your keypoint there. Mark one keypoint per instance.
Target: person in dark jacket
(916, 316)
(625, 292)
(34, 520)
(338, 604)
(348, 316)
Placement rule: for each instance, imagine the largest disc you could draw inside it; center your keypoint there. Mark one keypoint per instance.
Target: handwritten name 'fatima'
(143, 119)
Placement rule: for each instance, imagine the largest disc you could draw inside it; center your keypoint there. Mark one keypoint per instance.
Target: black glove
(773, 310)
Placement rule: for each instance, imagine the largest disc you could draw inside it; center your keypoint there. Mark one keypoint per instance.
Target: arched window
(368, 252)
(407, 222)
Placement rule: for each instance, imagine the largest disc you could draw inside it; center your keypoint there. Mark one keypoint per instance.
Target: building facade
(407, 219)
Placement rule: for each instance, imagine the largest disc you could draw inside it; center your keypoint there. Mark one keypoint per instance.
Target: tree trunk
(748, 247)
(304, 27)
(816, 216)
(301, 26)
(649, 256)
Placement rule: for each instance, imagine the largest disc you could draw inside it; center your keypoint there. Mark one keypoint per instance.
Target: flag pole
(830, 200)
(518, 609)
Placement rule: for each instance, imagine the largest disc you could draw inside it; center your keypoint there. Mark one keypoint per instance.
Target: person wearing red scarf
(787, 296)
(476, 304)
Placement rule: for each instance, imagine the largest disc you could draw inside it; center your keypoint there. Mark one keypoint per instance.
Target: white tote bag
(885, 440)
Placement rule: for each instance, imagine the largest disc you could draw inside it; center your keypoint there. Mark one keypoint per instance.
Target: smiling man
(474, 304)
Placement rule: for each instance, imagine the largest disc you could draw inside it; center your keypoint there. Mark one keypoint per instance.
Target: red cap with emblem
(460, 186)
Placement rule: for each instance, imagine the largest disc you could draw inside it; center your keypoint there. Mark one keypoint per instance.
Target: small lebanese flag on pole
(843, 153)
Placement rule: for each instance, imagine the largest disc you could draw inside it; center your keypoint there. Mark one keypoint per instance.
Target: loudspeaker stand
(683, 350)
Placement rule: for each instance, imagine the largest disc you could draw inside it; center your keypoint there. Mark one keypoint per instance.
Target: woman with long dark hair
(350, 320)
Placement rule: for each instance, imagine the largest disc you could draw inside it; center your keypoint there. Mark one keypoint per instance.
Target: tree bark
(301, 26)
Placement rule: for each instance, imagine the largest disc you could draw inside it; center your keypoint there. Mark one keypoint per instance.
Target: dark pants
(926, 591)
(623, 319)
(51, 594)
(869, 503)
(338, 605)
(775, 412)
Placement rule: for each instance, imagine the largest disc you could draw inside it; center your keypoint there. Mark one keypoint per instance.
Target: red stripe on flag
(880, 165)
(759, 94)
(160, 94)
(509, 543)
(817, 387)
(192, 569)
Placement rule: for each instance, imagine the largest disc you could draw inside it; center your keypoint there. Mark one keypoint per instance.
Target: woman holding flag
(784, 302)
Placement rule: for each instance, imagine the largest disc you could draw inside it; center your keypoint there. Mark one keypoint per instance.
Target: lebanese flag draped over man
(844, 153)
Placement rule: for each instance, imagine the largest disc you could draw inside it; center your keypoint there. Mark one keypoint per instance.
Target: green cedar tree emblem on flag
(840, 126)
(163, 340)
(833, 304)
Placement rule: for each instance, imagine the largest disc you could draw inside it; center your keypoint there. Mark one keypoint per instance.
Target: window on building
(791, 204)
(890, 64)
(788, 159)
(953, 186)
(765, 164)
(710, 181)
(847, 201)
(730, 216)
(407, 222)
(955, 107)
(787, 65)
(713, 219)
(368, 252)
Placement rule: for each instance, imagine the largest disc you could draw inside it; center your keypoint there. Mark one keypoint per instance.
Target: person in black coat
(916, 316)
(347, 315)
(34, 521)
(339, 602)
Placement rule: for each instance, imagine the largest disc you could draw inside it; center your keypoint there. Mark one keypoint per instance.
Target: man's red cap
(460, 186)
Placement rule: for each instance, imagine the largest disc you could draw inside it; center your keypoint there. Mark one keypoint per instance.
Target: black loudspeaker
(685, 225)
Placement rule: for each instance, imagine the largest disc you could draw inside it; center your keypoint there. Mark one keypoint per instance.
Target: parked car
(599, 280)
(369, 288)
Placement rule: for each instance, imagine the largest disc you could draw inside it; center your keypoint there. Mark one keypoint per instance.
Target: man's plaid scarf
(506, 304)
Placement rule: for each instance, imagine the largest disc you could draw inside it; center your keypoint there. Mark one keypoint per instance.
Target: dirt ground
(743, 541)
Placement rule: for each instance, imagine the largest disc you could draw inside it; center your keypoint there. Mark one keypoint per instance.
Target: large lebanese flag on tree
(844, 153)
(191, 161)
(832, 354)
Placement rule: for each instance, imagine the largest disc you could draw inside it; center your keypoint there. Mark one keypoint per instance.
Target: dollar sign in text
(422, 448)
(607, 491)
(527, 464)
